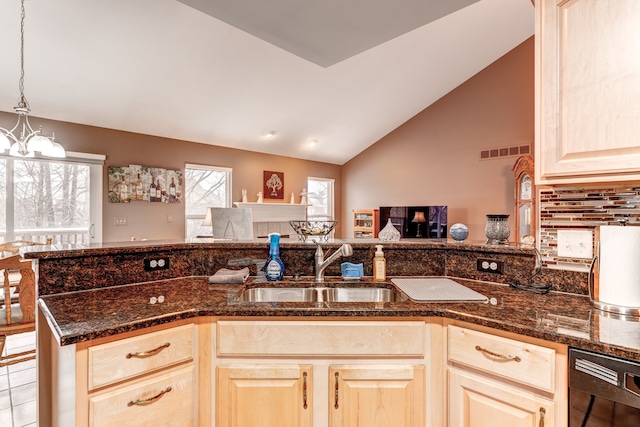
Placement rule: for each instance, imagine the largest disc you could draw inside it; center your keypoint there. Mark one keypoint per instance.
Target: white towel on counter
(225, 275)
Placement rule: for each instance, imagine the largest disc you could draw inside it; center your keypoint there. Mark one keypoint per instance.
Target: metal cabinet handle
(543, 412)
(304, 390)
(141, 402)
(336, 393)
(498, 355)
(149, 352)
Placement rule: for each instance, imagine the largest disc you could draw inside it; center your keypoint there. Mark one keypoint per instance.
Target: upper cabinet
(587, 91)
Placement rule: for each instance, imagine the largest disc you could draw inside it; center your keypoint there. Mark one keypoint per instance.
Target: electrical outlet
(486, 265)
(119, 220)
(153, 264)
(575, 244)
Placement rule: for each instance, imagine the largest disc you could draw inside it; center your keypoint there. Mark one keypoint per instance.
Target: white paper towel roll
(619, 273)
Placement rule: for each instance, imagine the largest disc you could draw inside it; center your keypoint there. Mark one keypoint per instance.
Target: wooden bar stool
(17, 314)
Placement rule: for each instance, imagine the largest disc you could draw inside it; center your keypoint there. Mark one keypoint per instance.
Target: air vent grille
(598, 371)
(497, 153)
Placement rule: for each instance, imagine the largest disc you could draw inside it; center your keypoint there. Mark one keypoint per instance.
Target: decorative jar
(497, 229)
(459, 232)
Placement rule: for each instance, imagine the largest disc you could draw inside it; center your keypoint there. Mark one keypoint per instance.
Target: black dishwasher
(603, 391)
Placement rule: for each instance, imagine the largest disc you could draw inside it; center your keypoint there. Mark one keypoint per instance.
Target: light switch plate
(575, 244)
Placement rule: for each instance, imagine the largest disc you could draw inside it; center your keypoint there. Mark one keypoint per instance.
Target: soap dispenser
(275, 267)
(379, 265)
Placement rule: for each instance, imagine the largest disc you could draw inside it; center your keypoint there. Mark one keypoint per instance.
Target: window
(205, 186)
(320, 197)
(57, 199)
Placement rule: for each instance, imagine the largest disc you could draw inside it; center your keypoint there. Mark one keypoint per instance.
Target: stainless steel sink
(360, 295)
(278, 295)
(318, 294)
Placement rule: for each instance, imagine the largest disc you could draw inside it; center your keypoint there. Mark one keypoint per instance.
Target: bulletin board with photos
(145, 184)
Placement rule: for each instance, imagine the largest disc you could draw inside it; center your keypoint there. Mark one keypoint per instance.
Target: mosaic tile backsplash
(582, 208)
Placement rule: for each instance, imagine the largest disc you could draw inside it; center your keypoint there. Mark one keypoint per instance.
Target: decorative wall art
(145, 184)
(273, 185)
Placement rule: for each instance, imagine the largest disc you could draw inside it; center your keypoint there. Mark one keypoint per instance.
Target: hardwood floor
(18, 385)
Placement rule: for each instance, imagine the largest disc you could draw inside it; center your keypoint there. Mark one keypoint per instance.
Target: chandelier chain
(22, 101)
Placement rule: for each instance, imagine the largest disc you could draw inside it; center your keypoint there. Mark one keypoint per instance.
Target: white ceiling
(325, 73)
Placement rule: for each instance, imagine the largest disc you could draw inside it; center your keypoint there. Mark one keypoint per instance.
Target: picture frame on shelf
(273, 184)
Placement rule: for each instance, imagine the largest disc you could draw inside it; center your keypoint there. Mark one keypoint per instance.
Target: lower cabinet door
(377, 395)
(164, 399)
(264, 395)
(475, 401)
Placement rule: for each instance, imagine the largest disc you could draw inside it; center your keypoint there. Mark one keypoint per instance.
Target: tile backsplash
(582, 208)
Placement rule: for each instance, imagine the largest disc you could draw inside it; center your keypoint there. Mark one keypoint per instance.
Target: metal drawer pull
(149, 352)
(141, 402)
(543, 412)
(304, 390)
(501, 356)
(336, 395)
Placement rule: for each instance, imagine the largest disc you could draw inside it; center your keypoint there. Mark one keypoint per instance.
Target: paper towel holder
(593, 286)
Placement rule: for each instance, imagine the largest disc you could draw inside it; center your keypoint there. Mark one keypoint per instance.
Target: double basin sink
(317, 293)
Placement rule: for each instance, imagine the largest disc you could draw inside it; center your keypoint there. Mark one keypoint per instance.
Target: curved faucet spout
(321, 264)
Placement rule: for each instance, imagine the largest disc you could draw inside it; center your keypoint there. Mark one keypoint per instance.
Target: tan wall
(431, 159)
(149, 220)
(434, 158)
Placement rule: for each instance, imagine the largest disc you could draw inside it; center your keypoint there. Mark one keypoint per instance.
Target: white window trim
(228, 187)
(332, 196)
(96, 169)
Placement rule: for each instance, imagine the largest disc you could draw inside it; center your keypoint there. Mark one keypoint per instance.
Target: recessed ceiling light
(270, 134)
(313, 142)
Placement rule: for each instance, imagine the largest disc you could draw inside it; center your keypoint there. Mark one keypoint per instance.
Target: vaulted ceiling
(343, 73)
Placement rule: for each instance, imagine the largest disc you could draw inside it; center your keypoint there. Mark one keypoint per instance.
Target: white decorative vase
(389, 233)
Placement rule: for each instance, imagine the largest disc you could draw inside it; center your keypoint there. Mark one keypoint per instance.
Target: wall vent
(497, 153)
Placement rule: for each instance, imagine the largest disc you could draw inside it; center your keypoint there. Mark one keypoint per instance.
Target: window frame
(228, 189)
(330, 197)
(95, 162)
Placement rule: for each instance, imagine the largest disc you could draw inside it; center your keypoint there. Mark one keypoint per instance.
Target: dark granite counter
(69, 268)
(559, 317)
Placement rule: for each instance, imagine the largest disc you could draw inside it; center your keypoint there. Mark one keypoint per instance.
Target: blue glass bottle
(275, 267)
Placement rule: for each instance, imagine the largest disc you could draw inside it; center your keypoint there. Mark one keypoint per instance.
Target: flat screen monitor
(422, 222)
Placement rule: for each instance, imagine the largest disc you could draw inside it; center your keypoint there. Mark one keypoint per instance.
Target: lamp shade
(419, 217)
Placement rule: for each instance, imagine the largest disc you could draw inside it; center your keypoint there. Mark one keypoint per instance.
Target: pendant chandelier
(21, 140)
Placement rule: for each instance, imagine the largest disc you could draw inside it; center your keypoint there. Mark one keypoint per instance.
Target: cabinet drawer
(517, 361)
(162, 399)
(321, 338)
(115, 361)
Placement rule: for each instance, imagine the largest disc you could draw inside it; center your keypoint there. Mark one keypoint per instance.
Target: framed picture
(118, 184)
(273, 185)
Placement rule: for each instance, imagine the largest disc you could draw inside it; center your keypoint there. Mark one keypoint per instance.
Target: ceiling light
(270, 134)
(21, 140)
(313, 142)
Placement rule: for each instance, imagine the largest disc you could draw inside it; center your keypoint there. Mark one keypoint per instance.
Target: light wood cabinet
(165, 398)
(264, 395)
(477, 401)
(377, 395)
(587, 91)
(138, 379)
(340, 373)
(321, 373)
(366, 223)
(502, 379)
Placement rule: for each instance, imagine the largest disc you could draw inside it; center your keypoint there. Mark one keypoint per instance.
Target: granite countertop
(75, 250)
(559, 317)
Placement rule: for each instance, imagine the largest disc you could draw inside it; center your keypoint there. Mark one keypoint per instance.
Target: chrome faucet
(321, 263)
